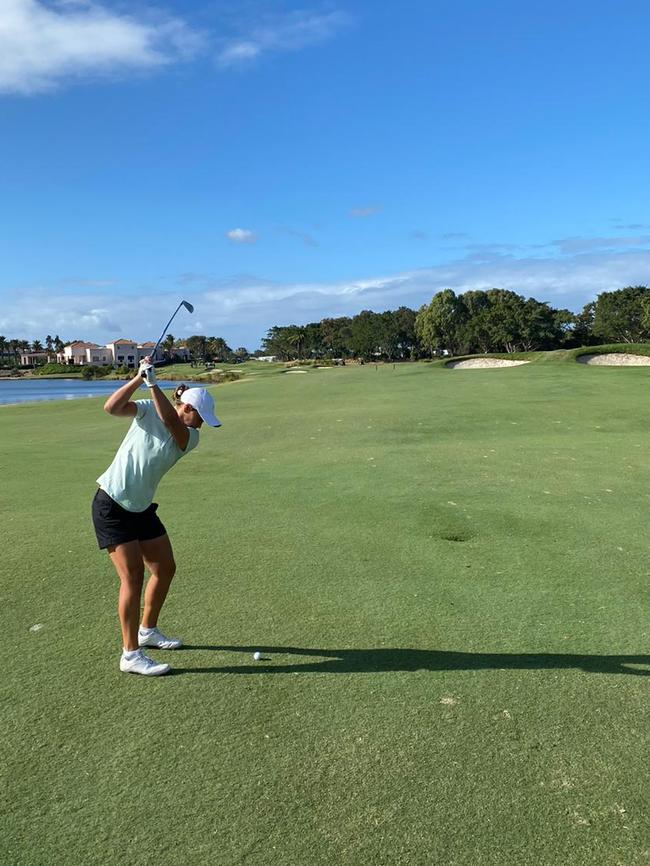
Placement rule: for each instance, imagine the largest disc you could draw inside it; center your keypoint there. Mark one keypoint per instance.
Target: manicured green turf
(447, 573)
(248, 368)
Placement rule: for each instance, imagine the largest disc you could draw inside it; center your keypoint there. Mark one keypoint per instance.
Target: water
(34, 390)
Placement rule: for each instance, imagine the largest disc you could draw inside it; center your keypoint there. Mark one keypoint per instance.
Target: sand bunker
(482, 363)
(615, 359)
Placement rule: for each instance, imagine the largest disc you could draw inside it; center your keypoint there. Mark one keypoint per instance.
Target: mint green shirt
(147, 451)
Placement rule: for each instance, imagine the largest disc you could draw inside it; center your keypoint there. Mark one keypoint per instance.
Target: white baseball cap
(203, 403)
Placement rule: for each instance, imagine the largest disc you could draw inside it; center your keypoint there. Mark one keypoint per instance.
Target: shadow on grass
(350, 661)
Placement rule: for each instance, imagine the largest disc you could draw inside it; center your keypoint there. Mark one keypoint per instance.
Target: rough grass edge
(556, 355)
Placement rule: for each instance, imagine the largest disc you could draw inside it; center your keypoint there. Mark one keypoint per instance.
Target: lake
(34, 390)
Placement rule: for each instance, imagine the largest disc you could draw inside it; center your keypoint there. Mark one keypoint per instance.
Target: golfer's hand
(148, 372)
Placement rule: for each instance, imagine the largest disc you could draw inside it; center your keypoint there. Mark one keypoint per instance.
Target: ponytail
(178, 394)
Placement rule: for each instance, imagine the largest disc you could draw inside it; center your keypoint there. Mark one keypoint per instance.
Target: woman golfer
(124, 514)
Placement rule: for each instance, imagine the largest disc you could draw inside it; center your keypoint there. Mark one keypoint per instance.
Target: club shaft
(153, 354)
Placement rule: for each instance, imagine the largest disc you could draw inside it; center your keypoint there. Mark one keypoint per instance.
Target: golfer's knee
(164, 571)
(167, 571)
(133, 579)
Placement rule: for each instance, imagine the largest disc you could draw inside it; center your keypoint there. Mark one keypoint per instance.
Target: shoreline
(62, 377)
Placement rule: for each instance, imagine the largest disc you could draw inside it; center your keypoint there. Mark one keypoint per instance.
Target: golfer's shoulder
(144, 409)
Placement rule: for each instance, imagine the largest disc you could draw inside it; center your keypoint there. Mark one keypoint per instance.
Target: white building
(31, 359)
(125, 353)
(75, 353)
(101, 356)
(181, 352)
(119, 353)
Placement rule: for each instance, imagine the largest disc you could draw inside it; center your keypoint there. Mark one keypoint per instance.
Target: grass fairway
(447, 573)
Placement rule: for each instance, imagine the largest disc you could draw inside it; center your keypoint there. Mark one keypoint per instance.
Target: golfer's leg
(127, 559)
(159, 559)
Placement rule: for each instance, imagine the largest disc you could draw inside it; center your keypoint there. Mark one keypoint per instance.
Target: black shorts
(115, 525)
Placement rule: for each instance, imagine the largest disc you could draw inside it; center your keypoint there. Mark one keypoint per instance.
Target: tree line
(477, 321)
(200, 347)
(214, 349)
(15, 347)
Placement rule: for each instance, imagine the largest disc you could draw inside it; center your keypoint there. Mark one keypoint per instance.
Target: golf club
(188, 307)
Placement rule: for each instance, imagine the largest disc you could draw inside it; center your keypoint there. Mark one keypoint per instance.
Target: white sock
(129, 654)
(147, 631)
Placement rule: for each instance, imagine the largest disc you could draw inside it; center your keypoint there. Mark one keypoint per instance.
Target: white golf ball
(257, 656)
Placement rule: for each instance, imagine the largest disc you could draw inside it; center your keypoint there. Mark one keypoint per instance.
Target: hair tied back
(178, 393)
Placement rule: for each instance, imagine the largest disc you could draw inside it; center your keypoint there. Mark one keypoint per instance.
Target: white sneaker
(142, 664)
(158, 640)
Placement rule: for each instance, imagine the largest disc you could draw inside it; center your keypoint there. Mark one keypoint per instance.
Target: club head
(188, 306)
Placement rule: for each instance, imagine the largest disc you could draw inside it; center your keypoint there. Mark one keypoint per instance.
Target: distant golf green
(446, 572)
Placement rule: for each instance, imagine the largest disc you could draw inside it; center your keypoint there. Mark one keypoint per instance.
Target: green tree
(398, 333)
(477, 333)
(168, 345)
(540, 326)
(389, 336)
(313, 345)
(279, 342)
(565, 322)
(367, 334)
(645, 313)
(619, 315)
(14, 349)
(404, 324)
(583, 326)
(218, 349)
(440, 324)
(336, 336)
(197, 346)
(295, 338)
(506, 320)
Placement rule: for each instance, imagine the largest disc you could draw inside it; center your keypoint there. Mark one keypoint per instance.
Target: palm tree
(168, 345)
(48, 343)
(296, 337)
(218, 349)
(14, 348)
(37, 346)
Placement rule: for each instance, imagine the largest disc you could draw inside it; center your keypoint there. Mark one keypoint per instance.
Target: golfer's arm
(170, 419)
(119, 401)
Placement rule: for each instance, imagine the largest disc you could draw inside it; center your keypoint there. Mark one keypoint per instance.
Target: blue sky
(278, 162)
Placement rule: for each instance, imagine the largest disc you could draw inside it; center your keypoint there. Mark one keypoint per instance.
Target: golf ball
(257, 656)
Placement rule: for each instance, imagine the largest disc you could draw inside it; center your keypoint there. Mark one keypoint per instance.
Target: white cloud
(42, 45)
(242, 308)
(304, 237)
(242, 236)
(290, 33)
(583, 245)
(363, 212)
(47, 43)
